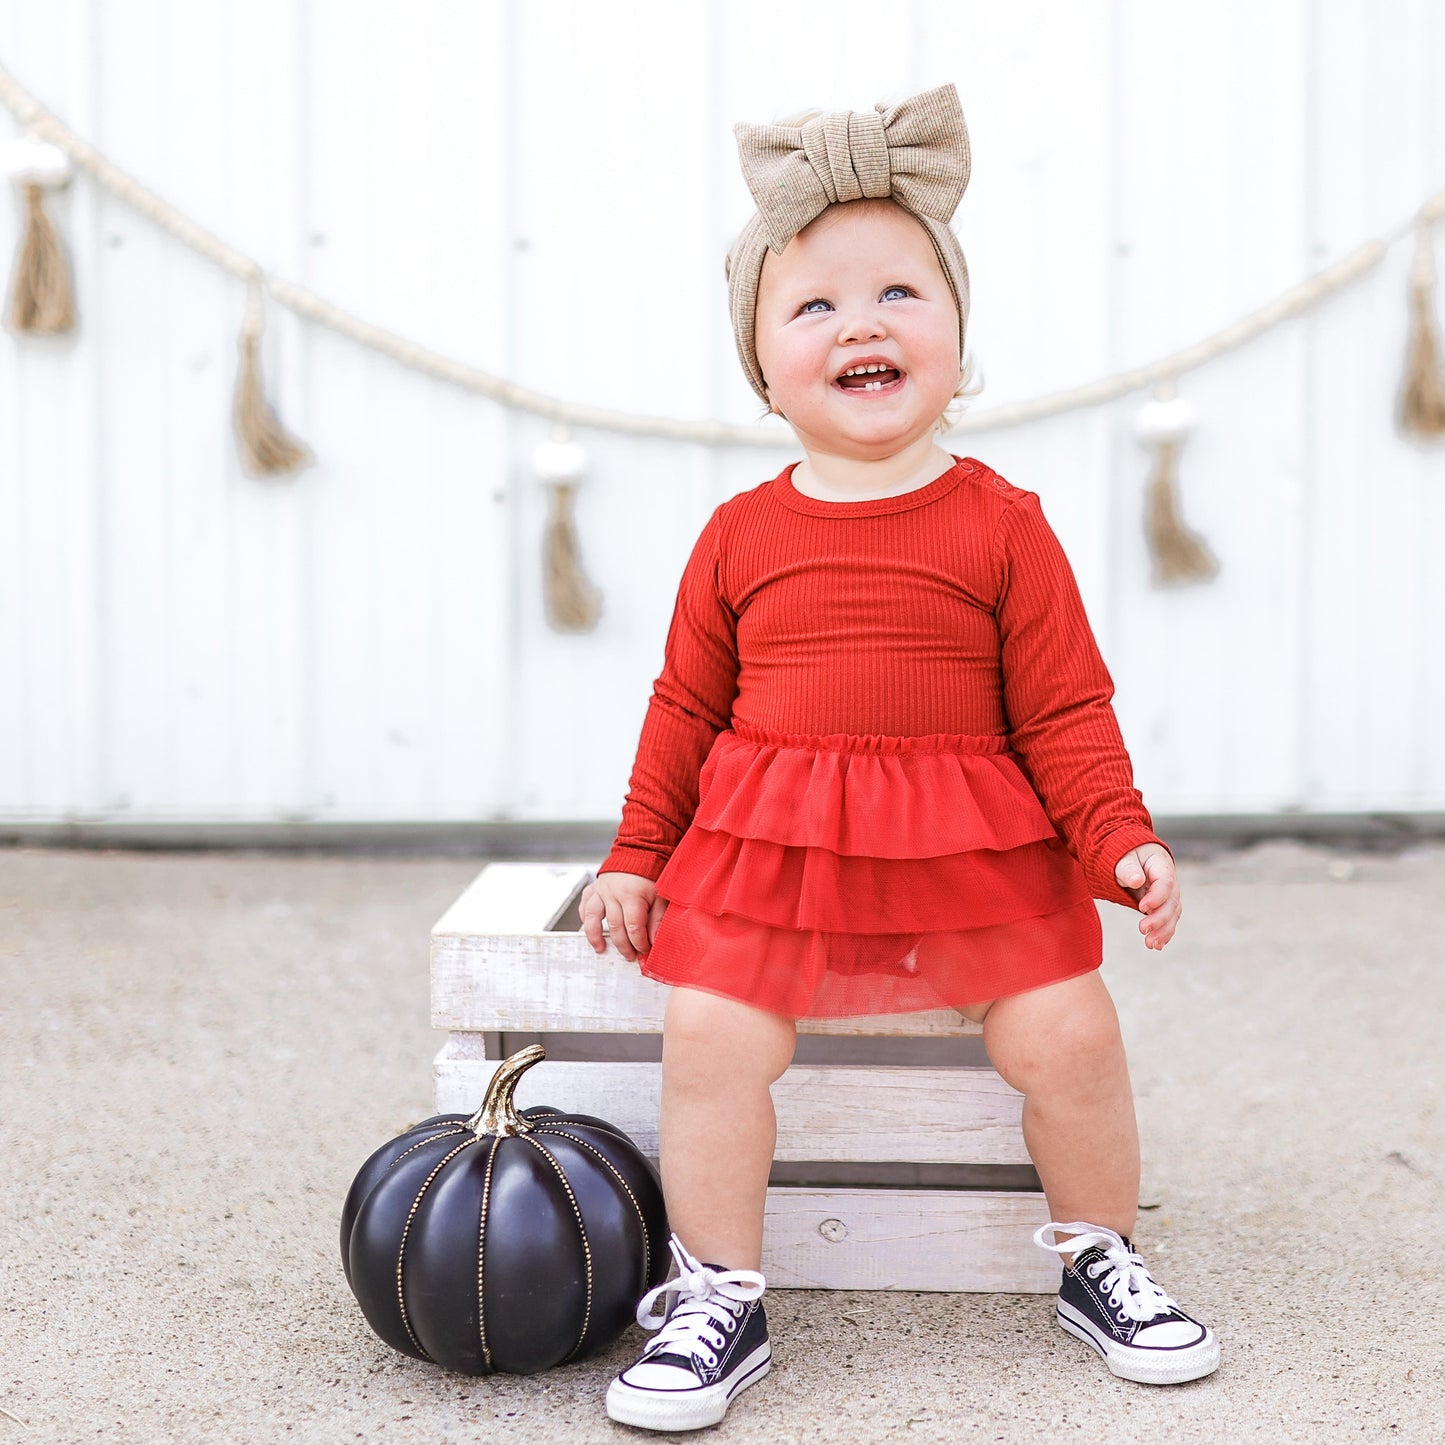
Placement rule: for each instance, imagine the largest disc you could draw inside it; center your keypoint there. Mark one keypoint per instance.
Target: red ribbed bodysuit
(880, 770)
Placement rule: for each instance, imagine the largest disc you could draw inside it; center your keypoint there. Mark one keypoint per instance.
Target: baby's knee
(1033, 1049)
(722, 1040)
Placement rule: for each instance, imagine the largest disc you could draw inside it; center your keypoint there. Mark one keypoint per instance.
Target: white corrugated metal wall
(367, 641)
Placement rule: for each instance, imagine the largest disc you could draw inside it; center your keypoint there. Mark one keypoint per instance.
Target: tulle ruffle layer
(958, 795)
(815, 974)
(845, 874)
(803, 887)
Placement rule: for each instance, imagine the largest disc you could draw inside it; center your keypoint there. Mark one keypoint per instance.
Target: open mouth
(870, 380)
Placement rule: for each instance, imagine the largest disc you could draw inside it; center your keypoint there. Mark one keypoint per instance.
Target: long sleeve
(1057, 695)
(691, 703)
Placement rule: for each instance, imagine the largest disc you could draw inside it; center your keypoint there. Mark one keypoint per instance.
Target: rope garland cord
(45, 125)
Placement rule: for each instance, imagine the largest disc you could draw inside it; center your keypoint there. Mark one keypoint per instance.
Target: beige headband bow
(915, 153)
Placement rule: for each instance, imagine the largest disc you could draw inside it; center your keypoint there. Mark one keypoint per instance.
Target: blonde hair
(970, 383)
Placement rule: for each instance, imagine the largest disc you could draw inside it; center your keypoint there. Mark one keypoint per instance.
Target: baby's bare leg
(717, 1128)
(1060, 1047)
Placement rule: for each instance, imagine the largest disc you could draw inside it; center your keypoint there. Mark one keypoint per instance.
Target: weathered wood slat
(923, 1239)
(825, 1111)
(555, 981)
(507, 897)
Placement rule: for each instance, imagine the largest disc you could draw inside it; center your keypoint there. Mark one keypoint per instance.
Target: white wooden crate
(508, 958)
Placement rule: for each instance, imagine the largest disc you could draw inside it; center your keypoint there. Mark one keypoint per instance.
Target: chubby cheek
(936, 366)
(794, 375)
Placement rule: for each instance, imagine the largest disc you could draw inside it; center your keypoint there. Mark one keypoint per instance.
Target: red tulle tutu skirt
(840, 875)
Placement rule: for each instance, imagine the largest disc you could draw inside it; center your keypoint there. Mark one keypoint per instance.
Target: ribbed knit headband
(915, 153)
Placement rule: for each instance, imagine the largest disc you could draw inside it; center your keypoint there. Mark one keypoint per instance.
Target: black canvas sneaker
(1108, 1299)
(711, 1345)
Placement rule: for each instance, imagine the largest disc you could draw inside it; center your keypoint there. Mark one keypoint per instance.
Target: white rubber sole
(1148, 1367)
(686, 1409)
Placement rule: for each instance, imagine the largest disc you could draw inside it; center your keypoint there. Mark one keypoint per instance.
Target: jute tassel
(267, 448)
(573, 604)
(42, 293)
(42, 298)
(1421, 404)
(1178, 555)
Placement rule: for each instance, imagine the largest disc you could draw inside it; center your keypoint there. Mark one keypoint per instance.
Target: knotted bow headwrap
(915, 153)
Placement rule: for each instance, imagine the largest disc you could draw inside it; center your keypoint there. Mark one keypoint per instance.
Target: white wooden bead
(1164, 421)
(31, 160)
(554, 461)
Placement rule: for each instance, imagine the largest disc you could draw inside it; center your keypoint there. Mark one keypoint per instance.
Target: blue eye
(807, 306)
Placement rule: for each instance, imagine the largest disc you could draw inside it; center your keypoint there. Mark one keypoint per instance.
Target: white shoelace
(703, 1319)
(1133, 1292)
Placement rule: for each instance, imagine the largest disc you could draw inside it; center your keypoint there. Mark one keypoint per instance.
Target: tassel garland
(41, 301)
(573, 603)
(42, 294)
(267, 448)
(1421, 403)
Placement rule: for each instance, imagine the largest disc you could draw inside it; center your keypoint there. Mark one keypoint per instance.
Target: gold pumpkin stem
(498, 1114)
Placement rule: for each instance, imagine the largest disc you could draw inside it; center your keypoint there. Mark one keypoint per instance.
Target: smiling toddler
(880, 770)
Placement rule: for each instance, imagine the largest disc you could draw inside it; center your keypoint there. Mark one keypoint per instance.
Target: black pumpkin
(505, 1241)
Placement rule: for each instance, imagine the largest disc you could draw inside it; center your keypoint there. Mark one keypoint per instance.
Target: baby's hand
(1147, 874)
(629, 906)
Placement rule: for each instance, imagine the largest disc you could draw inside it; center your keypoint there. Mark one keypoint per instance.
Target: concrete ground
(200, 1049)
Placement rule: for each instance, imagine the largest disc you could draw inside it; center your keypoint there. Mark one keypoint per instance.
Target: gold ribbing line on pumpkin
(1421, 405)
(1178, 555)
(42, 294)
(573, 603)
(267, 448)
